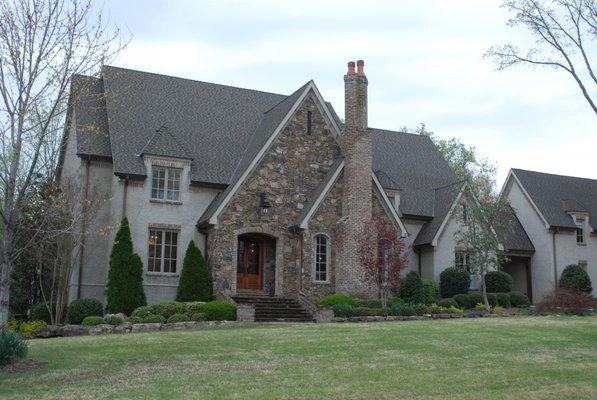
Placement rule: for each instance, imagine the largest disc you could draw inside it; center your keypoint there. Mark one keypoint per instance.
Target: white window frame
(328, 256)
(580, 231)
(162, 254)
(168, 180)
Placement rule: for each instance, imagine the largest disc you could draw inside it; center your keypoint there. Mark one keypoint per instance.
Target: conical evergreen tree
(195, 279)
(124, 290)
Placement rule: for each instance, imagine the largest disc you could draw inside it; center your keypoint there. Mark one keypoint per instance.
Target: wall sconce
(264, 203)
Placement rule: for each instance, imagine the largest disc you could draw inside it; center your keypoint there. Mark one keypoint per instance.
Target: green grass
(498, 358)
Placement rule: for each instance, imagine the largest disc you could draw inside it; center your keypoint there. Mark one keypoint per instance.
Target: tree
(195, 279)
(563, 32)
(382, 255)
(42, 44)
(124, 289)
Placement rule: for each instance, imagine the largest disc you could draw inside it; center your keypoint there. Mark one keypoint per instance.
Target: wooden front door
(249, 271)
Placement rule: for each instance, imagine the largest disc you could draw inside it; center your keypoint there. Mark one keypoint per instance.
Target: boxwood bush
(447, 303)
(39, 311)
(498, 282)
(463, 300)
(178, 318)
(193, 307)
(503, 300)
(135, 320)
(168, 308)
(142, 312)
(343, 310)
(153, 318)
(198, 317)
(475, 298)
(576, 278)
(453, 281)
(518, 299)
(404, 310)
(113, 320)
(332, 300)
(93, 320)
(368, 303)
(77, 310)
(12, 347)
(219, 310)
(395, 301)
(412, 290)
(493, 299)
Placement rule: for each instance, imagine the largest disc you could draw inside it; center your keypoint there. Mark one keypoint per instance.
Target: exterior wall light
(264, 203)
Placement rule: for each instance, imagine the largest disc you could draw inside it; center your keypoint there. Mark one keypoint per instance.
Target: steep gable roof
(444, 201)
(557, 195)
(164, 143)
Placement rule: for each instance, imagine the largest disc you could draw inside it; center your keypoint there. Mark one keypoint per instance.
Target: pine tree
(124, 290)
(195, 279)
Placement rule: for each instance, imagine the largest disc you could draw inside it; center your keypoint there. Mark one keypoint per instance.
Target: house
(559, 215)
(274, 189)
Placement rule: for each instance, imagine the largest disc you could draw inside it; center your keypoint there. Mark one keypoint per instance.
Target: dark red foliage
(567, 300)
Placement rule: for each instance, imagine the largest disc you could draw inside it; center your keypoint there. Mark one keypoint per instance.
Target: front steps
(274, 309)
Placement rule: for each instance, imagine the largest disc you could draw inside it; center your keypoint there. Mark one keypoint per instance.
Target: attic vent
(309, 117)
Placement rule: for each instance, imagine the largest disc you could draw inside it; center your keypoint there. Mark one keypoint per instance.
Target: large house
(274, 189)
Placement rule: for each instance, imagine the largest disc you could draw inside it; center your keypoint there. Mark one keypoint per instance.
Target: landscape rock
(146, 327)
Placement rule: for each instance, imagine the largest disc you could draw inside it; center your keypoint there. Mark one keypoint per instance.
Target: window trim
(580, 231)
(167, 171)
(162, 258)
(328, 251)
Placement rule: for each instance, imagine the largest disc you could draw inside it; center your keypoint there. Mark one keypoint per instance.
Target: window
(322, 258)
(309, 118)
(165, 183)
(580, 236)
(462, 260)
(163, 250)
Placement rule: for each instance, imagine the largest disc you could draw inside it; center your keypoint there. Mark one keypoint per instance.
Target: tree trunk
(5, 273)
(484, 291)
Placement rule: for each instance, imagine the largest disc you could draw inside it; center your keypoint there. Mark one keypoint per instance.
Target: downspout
(419, 257)
(555, 264)
(83, 227)
(124, 196)
(301, 263)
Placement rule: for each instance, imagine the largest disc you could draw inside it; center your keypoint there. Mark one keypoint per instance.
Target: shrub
(81, 308)
(198, 317)
(342, 310)
(498, 282)
(576, 278)
(447, 303)
(219, 310)
(462, 300)
(368, 303)
(453, 281)
(154, 318)
(404, 310)
(195, 282)
(193, 307)
(178, 318)
(503, 300)
(412, 289)
(430, 290)
(492, 299)
(124, 289)
(420, 309)
(475, 298)
(518, 299)
(168, 308)
(480, 306)
(113, 320)
(330, 301)
(12, 347)
(394, 301)
(142, 312)
(363, 311)
(435, 309)
(455, 310)
(92, 320)
(498, 310)
(39, 311)
(568, 301)
(135, 320)
(29, 329)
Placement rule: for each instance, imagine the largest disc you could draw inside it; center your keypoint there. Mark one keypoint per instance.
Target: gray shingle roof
(442, 200)
(164, 143)
(516, 239)
(555, 195)
(90, 116)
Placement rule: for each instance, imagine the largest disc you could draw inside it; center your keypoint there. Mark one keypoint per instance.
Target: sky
(423, 59)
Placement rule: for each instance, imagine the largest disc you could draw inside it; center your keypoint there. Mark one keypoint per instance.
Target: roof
(442, 199)
(557, 195)
(164, 143)
(516, 239)
(90, 116)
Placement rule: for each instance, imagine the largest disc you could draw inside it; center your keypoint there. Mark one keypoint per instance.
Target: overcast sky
(424, 60)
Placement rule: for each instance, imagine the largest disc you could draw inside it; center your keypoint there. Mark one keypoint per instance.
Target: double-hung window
(163, 251)
(165, 183)
(580, 231)
(322, 258)
(462, 260)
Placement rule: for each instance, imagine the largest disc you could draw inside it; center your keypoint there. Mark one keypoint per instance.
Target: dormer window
(165, 183)
(580, 231)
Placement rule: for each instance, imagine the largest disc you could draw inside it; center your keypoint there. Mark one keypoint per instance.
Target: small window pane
(165, 183)
(321, 258)
(162, 251)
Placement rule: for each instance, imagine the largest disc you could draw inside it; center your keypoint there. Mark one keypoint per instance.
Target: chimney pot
(351, 68)
(360, 67)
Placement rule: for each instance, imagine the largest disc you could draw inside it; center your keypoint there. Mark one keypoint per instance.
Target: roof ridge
(300, 89)
(551, 174)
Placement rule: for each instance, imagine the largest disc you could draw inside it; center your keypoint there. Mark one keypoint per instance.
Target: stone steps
(275, 309)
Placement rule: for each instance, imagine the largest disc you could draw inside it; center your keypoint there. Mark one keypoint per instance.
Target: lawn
(498, 358)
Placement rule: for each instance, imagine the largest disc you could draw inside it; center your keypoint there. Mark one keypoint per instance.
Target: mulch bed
(22, 366)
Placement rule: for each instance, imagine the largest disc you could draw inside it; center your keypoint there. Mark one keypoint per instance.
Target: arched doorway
(256, 259)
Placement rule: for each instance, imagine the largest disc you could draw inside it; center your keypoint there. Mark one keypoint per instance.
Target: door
(249, 270)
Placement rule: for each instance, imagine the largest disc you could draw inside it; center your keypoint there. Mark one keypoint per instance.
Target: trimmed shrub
(363, 311)
(332, 300)
(576, 278)
(342, 310)
(29, 329)
(113, 320)
(395, 301)
(142, 312)
(39, 311)
(168, 308)
(124, 289)
(195, 278)
(198, 317)
(92, 320)
(404, 310)
(420, 309)
(219, 310)
(135, 320)
(567, 301)
(518, 299)
(492, 299)
(154, 318)
(178, 318)
(368, 303)
(475, 298)
(447, 303)
(503, 300)
(412, 289)
(77, 310)
(193, 307)
(453, 281)
(12, 347)
(498, 282)
(462, 300)
(430, 290)
(480, 306)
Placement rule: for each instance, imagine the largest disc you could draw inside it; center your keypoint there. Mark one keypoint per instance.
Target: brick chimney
(357, 149)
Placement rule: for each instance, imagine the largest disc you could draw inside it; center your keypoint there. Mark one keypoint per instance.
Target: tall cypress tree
(195, 279)
(124, 290)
